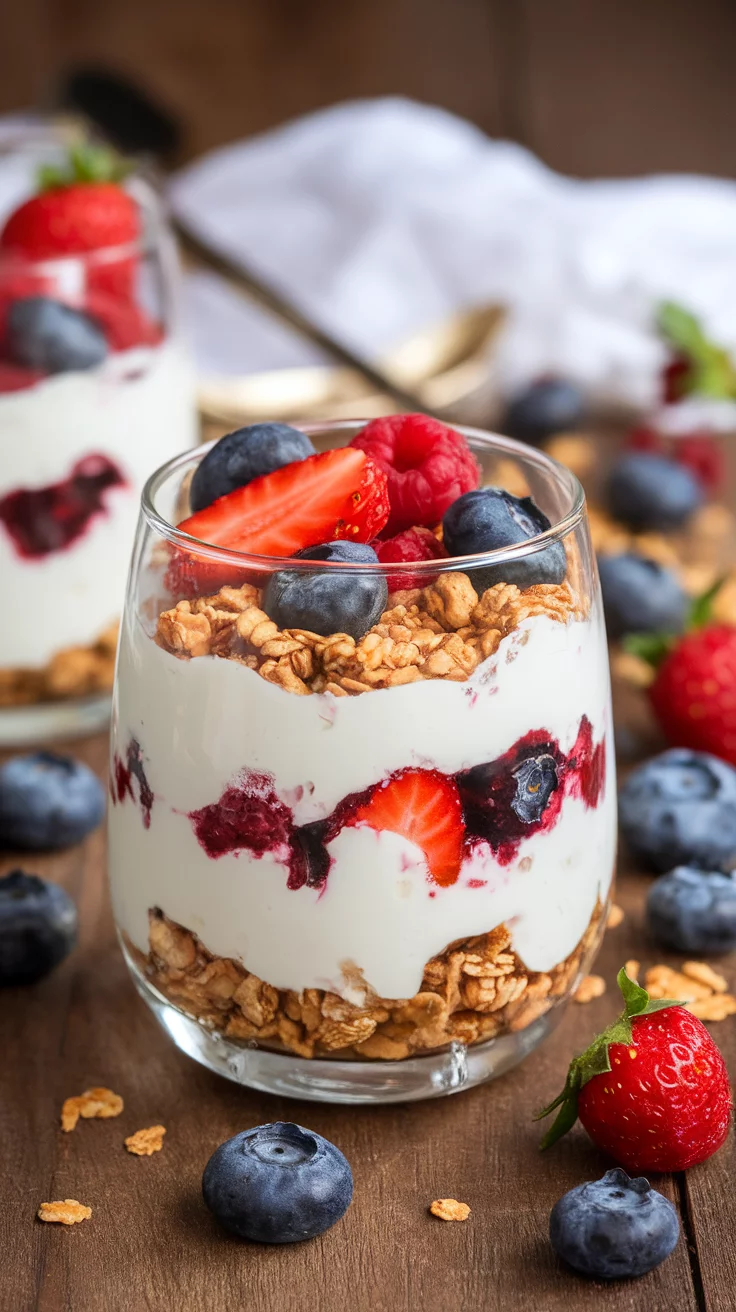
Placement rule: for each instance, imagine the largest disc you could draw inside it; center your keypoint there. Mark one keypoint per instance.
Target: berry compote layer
(377, 838)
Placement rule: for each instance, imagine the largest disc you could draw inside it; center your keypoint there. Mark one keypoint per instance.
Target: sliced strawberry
(124, 323)
(14, 378)
(423, 806)
(337, 494)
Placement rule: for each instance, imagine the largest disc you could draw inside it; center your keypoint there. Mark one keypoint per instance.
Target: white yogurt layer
(137, 409)
(202, 721)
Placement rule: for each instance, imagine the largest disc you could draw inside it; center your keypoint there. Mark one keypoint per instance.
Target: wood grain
(595, 89)
(151, 1245)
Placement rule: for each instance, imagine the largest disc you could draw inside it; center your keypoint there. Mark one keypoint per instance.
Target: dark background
(595, 87)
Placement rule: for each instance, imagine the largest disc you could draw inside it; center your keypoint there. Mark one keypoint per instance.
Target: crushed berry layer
(121, 782)
(44, 520)
(503, 802)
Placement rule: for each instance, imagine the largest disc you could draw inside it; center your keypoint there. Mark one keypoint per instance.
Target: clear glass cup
(77, 444)
(373, 871)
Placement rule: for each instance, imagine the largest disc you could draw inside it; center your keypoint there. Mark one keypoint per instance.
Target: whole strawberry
(694, 692)
(652, 1090)
(81, 208)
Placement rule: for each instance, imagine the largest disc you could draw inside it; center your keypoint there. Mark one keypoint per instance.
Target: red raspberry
(704, 456)
(645, 439)
(413, 544)
(676, 379)
(428, 466)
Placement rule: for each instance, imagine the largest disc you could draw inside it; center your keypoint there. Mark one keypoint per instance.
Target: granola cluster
(71, 672)
(475, 990)
(439, 632)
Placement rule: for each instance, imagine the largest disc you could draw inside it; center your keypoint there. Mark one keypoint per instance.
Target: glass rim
(508, 446)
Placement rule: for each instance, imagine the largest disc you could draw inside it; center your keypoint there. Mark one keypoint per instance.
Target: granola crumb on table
(94, 1104)
(475, 990)
(67, 1211)
(592, 986)
(443, 631)
(146, 1142)
(449, 1209)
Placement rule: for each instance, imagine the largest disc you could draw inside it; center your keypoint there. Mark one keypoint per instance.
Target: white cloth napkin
(380, 216)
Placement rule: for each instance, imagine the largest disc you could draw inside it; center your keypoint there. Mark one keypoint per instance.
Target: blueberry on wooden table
(614, 1228)
(693, 910)
(38, 927)
(277, 1184)
(680, 809)
(546, 406)
(48, 801)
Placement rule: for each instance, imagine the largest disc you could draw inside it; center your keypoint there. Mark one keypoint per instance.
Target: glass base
(352, 1082)
(26, 726)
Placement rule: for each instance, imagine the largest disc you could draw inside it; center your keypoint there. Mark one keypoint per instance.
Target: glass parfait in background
(96, 389)
(366, 870)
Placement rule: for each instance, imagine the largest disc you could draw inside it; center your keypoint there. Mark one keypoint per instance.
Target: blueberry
(640, 596)
(548, 406)
(246, 454)
(277, 1184)
(693, 910)
(48, 801)
(38, 927)
(614, 1228)
(47, 335)
(328, 601)
(649, 491)
(536, 780)
(680, 809)
(489, 518)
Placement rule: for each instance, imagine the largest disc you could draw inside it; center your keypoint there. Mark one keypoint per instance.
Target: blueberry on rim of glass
(490, 518)
(243, 455)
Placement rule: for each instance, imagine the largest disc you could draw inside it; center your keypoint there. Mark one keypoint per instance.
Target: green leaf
(634, 996)
(85, 163)
(681, 329)
(660, 1004)
(701, 610)
(563, 1122)
(649, 647)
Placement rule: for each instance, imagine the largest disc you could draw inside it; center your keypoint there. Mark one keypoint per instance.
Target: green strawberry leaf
(701, 609)
(634, 996)
(681, 329)
(712, 372)
(596, 1059)
(85, 163)
(649, 647)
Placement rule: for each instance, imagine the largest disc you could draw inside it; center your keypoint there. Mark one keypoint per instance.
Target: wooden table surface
(152, 1246)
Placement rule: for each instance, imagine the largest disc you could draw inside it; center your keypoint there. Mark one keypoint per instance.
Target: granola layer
(443, 631)
(476, 989)
(71, 672)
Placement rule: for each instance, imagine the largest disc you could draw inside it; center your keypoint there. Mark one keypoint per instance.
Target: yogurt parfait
(95, 390)
(362, 823)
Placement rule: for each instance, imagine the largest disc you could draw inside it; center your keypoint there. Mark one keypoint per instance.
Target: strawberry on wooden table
(694, 690)
(652, 1090)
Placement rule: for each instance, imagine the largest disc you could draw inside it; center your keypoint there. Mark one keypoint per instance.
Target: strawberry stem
(85, 162)
(596, 1059)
